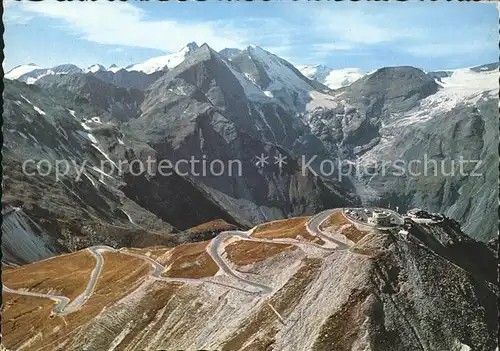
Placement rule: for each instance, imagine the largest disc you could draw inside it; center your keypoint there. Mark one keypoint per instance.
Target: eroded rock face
(408, 131)
(122, 104)
(201, 109)
(391, 90)
(439, 145)
(346, 131)
(69, 212)
(129, 80)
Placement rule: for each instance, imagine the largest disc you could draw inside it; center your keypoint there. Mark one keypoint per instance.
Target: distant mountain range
(239, 104)
(30, 73)
(142, 260)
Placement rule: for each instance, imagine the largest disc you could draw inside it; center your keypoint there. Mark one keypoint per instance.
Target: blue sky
(367, 35)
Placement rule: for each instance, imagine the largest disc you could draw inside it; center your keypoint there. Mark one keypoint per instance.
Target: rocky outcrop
(453, 171)
(200, 109)
(81, 206)
(128, 79)
(390, 90)
(122, 104)
(405, 133)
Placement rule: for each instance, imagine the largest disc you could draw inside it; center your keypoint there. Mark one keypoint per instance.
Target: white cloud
(116, 50)
(300, 34)
(355, 26)
(13, 15)
(16, 17)
(128, 25)
(476, 47)
(333, 46)
(413, 31)
(453, 41)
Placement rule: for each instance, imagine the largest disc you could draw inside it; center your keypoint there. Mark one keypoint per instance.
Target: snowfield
(332, 78)
(156, 64)
(95, 68)
(114, 68)
(343, 77)
(18, 71)
(463, 86)
(281, 76)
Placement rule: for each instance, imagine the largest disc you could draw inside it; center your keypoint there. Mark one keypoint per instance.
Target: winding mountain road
(313, 226)
(61, 301)
(63, 305)
(94, 276)
(215, 249)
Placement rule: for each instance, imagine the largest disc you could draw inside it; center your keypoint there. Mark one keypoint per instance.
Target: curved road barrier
(314, 228)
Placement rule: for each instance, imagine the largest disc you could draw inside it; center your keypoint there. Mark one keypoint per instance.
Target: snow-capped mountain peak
(95, 68)
(229, 52)
(318, 72)
(343, 77)
(332, 78)
(18, 71)
(190, 46)
(31, 73)
(169, 61)
(266, 76)
(280, 72)
(113, 68)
